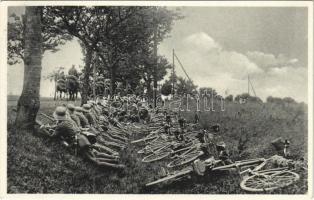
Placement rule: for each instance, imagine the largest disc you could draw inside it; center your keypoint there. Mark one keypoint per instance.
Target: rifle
(47, 116)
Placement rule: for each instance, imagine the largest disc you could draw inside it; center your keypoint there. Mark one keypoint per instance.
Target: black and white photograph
(151, 98)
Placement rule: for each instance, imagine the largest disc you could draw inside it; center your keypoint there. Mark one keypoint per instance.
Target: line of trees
(184, 86)
(118, 40)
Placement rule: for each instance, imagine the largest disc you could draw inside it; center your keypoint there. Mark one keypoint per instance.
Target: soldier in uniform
(73, 116)
(95, 155)
(62, 75)
(88, 115)
(182, 122)
(83, 120)
(196, 117)
(65, 129)
(73, 71)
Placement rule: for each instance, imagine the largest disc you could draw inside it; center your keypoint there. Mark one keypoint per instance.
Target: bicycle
(168, 149)
(153, 135)
(186, 157)
(159, 154)
(254, 179)
(153, 145)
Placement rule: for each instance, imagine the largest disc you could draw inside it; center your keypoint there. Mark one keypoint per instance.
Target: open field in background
(40, 165)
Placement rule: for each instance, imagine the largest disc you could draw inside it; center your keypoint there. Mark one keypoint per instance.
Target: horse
(60, 88)
(68, 86)
(72, 86)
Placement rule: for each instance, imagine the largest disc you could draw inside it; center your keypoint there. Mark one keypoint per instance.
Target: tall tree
(147, 71)
(91, 26)
(135, 42)
(29, 103)
(166, 88)
(114, 33)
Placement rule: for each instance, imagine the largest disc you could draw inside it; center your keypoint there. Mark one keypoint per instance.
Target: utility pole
(156, 60)
(182, 67)
(173, 78)
(248, 84)
(252, 88)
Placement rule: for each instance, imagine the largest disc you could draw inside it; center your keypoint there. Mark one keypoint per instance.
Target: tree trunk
(149, 89)
(87, 69)
(112, 80)
(29, 103)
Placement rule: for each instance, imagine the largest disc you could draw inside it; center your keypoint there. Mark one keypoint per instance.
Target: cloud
(207, 63)
(207, 57)
(267, 61)
(202, 41)
(210, 65)
(287, 81)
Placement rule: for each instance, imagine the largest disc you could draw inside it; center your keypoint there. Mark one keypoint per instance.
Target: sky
(219, 47)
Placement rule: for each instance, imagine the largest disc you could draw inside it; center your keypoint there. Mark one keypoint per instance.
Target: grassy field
(40, 165)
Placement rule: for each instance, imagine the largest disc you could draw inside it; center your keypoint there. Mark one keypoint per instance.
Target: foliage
(278, 100)
(55, 74)
(181, 86)
(16, 31)
(185, 86)
(166, 88)
(248, 97)
(207, 91)
(229, 98)
(122, 37)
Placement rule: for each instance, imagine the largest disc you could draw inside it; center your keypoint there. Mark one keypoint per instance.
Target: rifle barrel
(47, 116)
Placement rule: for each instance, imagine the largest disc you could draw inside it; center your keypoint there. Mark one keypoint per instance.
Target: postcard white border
(3, 98)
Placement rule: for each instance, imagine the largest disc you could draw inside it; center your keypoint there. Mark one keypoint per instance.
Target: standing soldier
(73, 71)
(196, 117)
(62, 76)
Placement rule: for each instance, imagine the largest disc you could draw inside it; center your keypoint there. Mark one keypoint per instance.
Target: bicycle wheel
(268, 181)
(156, 156)
(171, 177)
(184, 159)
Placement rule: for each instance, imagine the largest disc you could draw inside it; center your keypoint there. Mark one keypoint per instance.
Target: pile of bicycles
(256, 177)
(182, 157)
(183, 161)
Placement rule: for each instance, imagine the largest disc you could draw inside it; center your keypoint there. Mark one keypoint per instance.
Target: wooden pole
(248, 84)
(182, 67)
(173, 79)
(252, 88)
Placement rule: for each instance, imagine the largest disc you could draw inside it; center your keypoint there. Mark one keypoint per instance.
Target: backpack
(90, 136)
(82, 141)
